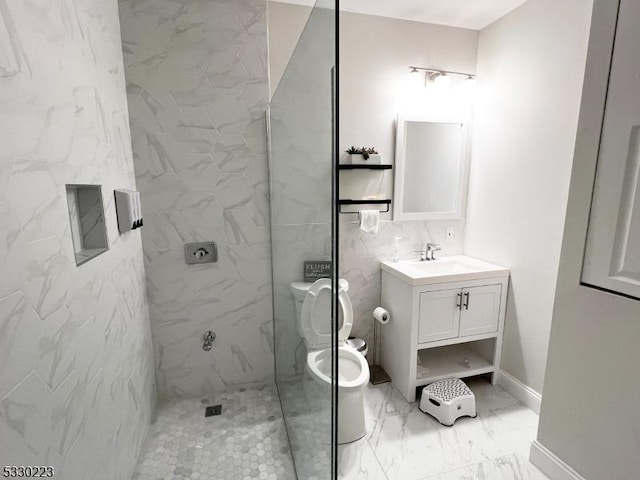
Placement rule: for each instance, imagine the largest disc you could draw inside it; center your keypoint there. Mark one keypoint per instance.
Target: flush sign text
(313, 270)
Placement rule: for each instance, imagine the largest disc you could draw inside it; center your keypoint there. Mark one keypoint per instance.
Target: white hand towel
(369, 221)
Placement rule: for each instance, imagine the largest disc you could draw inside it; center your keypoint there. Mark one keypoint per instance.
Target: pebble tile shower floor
(246, 442)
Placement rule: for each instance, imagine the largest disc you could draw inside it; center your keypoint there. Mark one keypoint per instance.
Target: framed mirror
(431, 168)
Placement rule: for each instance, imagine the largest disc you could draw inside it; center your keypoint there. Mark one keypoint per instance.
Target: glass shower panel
(301, 176)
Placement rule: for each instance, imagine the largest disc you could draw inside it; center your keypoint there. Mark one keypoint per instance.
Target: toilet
(313, 312)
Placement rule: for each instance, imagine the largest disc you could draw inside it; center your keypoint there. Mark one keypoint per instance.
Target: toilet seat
(315, 318)
(353, 370)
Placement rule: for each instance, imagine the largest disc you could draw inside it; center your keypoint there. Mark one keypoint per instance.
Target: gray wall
(375, 54)
(76, 369)
(197, 81)
(589, 416)
(286, 23)
(530, 73)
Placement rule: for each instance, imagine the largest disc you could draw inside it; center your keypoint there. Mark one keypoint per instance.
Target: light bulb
(442, 80)
(468, 89)
(416, 79)
(470, 82)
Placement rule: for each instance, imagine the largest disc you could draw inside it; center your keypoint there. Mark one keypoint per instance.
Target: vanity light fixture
(440, 77)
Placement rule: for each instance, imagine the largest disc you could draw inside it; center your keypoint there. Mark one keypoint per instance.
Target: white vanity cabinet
(446, 320)
(458, 312)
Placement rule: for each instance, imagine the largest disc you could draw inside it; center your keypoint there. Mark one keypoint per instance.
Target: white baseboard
(550, 465)
(527, 395)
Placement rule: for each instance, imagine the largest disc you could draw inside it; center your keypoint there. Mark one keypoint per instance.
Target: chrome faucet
(431, 250)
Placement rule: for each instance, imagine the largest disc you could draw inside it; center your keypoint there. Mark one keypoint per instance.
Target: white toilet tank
(300, 289)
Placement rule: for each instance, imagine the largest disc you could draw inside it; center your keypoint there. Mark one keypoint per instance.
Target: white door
(439, 315)
(480, 310)
(612, 257)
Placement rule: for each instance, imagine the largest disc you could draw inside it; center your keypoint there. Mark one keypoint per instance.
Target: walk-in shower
(155, 358)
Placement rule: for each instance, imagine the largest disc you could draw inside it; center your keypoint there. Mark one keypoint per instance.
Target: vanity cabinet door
(480, 310)
(439, 315)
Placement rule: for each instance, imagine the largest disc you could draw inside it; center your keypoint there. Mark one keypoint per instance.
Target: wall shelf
(385, 202)
(358, 166)
(448, 362)
(88, 227)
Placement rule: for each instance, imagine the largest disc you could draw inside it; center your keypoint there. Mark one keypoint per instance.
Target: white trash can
(358, 344)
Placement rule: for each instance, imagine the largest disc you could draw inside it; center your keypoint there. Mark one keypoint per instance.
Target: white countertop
(445, 269)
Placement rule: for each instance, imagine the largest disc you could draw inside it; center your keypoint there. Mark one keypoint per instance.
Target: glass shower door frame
(303, 184)
(335, 250)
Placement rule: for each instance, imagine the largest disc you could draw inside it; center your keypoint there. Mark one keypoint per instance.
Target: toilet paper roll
(381, 315)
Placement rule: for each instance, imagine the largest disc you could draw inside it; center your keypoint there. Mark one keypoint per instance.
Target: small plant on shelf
(366, 152)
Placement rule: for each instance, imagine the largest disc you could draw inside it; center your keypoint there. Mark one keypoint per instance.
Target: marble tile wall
(361, 254)
(74, 218)
(91, 217)
(76, 365)
(197, 80)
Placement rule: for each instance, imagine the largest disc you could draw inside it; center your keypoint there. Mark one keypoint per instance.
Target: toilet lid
(315, 319)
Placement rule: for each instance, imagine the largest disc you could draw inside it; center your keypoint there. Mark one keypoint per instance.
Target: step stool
(448, 400)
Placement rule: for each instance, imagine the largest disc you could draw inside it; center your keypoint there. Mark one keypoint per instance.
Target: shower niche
(86, 214)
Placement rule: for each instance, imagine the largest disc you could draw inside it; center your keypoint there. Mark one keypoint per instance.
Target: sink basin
(444, 266)
(445, 269)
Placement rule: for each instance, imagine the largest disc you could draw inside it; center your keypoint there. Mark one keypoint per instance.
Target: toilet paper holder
(378, 374)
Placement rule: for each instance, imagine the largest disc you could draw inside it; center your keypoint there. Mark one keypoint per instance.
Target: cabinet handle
(459, 303)
(466, 300)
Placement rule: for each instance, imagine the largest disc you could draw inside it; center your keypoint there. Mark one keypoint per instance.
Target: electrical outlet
(450, 234)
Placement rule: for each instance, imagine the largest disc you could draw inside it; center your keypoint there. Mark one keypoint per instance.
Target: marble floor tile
(307, 411)
(510, 467)
(405, 444)
(356, 461)
(247, 441)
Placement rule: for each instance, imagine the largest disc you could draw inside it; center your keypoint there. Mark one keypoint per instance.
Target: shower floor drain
(213, 410)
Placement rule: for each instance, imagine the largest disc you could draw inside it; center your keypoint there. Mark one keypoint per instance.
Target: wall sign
(313, 270)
